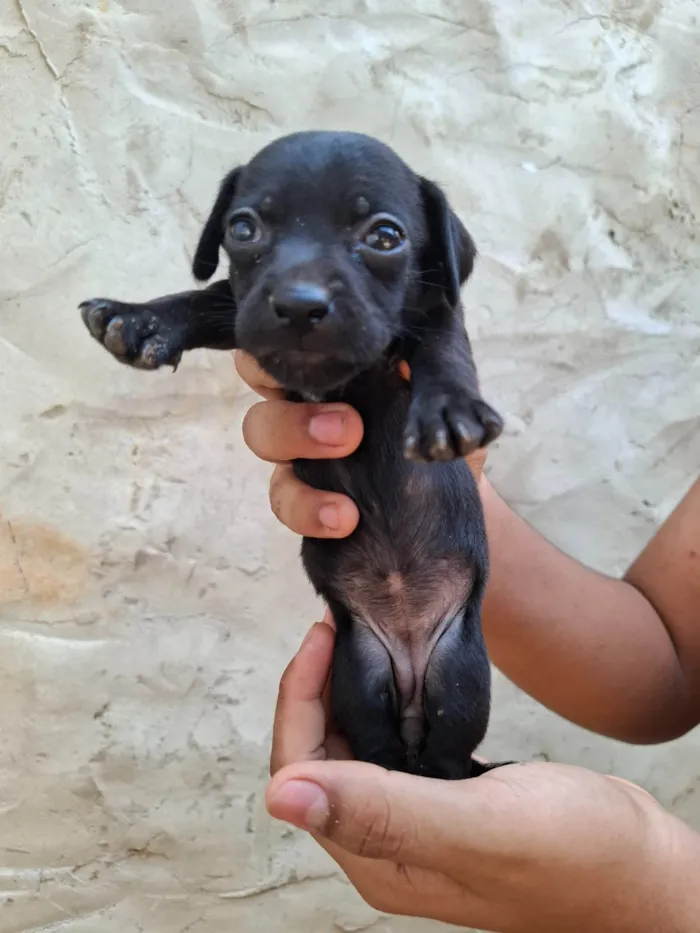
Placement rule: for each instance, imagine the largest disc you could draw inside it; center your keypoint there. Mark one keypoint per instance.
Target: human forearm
(592, 648)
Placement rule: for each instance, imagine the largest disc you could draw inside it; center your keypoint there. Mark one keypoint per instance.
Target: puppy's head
(335, 245)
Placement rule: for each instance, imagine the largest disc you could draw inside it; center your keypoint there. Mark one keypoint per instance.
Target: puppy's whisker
(430, 284)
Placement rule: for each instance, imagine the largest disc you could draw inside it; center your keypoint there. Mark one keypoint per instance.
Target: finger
(255, 376)
(337, 747)
(476, 462)
(310, 512)
(326, 695)
(377, 814)
(278, 430)
(300, 720)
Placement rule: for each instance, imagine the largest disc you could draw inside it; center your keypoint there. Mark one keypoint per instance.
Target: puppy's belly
(407, 612)
(406, 587)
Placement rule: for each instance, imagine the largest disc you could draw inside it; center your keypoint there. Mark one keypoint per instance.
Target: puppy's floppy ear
(449, 253)
(206, 257)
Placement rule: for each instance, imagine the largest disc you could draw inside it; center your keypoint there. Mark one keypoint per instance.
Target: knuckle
(244, 367)
(374, 840)
(379, 835)
(284, 682)
(276, 504)
(250, 425)
(277, 493)
(290, 501)
(252, 373)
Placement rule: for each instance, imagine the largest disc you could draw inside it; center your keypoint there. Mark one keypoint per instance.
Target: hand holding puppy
(523, 849)
(279, 431)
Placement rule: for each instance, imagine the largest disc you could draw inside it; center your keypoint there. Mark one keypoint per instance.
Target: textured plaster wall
(148, 599)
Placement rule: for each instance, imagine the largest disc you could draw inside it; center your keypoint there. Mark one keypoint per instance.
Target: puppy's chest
(387, 488)
(408, 569)
(415, 555)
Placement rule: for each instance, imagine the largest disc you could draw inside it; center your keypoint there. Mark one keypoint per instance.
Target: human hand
(524, 848)
(279, 431)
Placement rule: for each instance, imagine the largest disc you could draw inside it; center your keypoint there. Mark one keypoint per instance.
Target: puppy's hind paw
(448, 425)
(136, 335)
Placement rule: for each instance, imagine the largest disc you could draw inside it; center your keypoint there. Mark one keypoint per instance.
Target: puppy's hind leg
(456, 700)
(156, 333)
(363, 694)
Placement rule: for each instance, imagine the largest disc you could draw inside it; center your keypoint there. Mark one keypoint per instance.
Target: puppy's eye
(244, 230)
(384, 237)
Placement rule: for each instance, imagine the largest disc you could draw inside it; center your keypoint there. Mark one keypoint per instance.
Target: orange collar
(405, 370)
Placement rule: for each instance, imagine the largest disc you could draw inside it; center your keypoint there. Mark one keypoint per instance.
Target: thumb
(375, 813)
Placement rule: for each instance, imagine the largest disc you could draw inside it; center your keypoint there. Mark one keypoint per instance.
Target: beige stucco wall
(148, 599)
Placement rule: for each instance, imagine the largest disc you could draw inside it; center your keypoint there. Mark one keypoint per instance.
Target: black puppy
(343, 263)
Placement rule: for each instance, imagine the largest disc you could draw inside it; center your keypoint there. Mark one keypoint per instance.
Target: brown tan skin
(343, 263)
(530, 848)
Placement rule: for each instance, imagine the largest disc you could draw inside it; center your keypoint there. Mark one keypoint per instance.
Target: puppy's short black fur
(343, 263)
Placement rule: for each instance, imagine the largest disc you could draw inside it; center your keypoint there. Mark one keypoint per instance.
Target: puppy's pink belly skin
(408, 614)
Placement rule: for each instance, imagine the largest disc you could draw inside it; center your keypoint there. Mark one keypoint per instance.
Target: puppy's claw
(467, 441)
(491, 421)
(93, 314)
(410, 448)
(441, 448)
(449, 425)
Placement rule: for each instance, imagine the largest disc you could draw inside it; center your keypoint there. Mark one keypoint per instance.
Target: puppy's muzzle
(301, 305)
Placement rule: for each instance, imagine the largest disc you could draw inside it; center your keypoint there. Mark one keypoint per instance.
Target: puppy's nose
(303, 304)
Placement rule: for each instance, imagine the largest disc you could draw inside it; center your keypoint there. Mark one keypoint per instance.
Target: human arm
(620, 657)
(522, 849)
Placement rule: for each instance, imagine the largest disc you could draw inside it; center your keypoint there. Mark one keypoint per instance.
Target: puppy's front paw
(136, 336)
(447, 425)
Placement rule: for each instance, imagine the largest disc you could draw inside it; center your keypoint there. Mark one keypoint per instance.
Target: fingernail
(302, 804)
(328, 427)
(329, 516)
